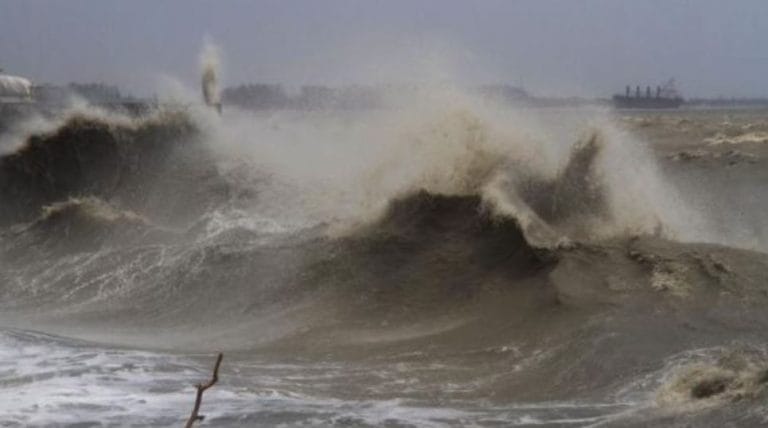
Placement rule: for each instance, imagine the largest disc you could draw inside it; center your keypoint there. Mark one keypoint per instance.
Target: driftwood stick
(201, 387)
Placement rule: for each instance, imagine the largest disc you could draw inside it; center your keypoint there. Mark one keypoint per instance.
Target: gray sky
(557, 47)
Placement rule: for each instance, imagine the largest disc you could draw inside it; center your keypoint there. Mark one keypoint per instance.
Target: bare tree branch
(201, 387)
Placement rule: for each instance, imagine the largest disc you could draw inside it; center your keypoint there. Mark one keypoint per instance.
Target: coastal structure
(14, 89)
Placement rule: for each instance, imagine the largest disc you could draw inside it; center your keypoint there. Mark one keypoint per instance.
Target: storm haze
(584, 48)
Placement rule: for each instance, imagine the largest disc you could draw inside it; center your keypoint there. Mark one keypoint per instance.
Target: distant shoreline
(138, 107)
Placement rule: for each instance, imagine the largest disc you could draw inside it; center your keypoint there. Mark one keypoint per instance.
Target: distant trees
(262, 96)
(95, 93)
(503, 93)
(255, 96)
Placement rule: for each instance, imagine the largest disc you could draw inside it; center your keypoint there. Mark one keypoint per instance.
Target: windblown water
(439, 262)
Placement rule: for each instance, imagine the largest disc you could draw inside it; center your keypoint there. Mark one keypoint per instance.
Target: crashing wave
(81, 224)
(135, 162)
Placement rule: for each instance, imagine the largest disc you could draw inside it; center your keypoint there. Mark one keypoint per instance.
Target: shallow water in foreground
(53, 381)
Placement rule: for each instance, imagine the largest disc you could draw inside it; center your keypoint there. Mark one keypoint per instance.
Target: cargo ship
(665, 96)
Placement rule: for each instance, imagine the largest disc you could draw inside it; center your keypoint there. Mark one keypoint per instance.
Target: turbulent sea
(442, 263)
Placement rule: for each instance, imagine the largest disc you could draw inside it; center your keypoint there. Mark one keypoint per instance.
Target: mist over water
(441, 261)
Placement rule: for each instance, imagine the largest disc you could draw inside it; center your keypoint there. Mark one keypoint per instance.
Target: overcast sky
(556, 47)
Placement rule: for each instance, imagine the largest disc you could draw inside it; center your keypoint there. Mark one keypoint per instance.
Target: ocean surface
(441, 263)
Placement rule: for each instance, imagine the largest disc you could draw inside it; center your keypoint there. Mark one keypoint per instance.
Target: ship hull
(620, 101)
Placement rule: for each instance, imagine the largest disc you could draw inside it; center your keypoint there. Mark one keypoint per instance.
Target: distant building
(15, 89)
(93, 93)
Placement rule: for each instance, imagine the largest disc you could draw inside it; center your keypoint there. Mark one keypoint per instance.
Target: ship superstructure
(665, 96)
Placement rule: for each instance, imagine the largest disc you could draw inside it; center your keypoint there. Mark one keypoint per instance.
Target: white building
(14, 89)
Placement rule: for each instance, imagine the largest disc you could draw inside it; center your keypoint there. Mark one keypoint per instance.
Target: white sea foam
(54, 381)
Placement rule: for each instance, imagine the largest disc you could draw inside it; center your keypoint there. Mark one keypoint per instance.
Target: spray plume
(209, 62)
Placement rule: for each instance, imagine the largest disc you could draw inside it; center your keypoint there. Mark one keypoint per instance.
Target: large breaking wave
(552, 257)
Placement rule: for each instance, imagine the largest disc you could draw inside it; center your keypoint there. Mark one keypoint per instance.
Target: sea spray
(460, 287)
(346, 165)
(210, 64)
